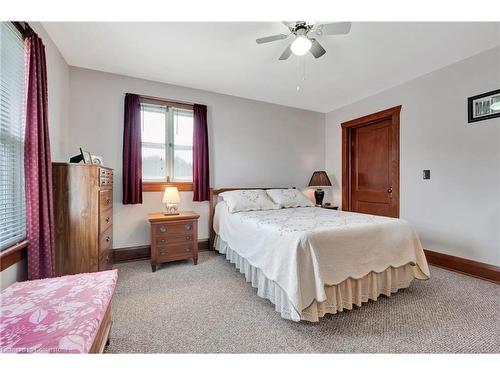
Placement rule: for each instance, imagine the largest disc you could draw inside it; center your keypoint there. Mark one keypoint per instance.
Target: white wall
(58, 90)
(457, 211)
(251, 143)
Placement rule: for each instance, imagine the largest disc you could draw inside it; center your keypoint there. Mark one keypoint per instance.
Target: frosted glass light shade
(495, 103)
(301, 45)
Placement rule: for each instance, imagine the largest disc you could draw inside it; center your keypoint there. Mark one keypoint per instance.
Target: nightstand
(330, 207)
(173, 237)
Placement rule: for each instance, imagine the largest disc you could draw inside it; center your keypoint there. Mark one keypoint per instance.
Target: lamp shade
(320, 178)
(171, 195)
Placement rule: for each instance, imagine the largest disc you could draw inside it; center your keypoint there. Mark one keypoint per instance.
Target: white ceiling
(223, 57)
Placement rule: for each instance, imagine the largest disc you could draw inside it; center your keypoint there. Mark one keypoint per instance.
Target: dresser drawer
(105, 219)
(104, 172)
(174, 238)
(180, 251)
(174, 229)
(106, 181)
(105, 199)
(106, 239)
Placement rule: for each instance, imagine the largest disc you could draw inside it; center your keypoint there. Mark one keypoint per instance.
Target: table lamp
(319, 178)
(171, 200)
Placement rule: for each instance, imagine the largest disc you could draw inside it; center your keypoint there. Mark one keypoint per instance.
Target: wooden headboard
(214, 193)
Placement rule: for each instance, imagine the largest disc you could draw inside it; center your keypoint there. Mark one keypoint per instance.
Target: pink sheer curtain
(201, 175)
(37, 163)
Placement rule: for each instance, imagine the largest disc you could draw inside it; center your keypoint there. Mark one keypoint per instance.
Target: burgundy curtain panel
(37, 164)
(132, 155)
(201, 182)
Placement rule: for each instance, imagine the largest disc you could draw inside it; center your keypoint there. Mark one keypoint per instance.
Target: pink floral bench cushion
(56, 315)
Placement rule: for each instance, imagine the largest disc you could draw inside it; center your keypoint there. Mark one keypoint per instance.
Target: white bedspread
(303, 249)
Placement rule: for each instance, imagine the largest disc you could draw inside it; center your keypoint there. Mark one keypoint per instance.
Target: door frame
(393, 115)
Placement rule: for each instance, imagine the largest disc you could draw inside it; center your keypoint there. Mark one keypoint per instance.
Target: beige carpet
(209, 308)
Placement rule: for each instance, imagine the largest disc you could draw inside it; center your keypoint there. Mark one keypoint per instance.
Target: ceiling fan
(305, 37)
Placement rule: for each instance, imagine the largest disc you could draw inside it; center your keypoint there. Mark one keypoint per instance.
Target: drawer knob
(108, 239)
(188, 238)
(163, 229)
(163, 240)
(163, 253)
(188, 226)
(188, 250)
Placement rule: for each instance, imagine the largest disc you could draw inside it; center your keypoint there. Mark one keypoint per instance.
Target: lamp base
(170, 209)
(319, 195)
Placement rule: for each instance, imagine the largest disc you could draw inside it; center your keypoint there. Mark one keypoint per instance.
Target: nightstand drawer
(181, 250)
(174, 229)
(173, 238)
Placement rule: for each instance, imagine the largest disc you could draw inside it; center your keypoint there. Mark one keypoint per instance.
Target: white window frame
(170, 112)
(13, 205)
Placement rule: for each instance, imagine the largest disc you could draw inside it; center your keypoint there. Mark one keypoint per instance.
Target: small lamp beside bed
(319, 179)
(171, 200)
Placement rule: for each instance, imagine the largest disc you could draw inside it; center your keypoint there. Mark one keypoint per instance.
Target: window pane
(183, 128)
(183, 145)
(153, 142)
(12, 202)
(183, 164)
(153, 162)
(153, 123)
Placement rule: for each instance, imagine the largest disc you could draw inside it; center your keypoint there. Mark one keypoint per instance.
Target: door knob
(390, 192)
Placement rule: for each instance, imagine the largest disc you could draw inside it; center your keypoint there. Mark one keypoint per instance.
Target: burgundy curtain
(132, 156)
(37, 163)
(201, 182)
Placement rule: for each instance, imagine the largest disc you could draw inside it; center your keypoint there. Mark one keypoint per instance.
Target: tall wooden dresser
(83, 215)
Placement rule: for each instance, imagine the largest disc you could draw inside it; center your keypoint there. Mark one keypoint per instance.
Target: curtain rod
(167, 100)
(21, 26)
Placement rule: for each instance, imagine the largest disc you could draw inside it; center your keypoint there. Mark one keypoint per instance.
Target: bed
(68, 314)
(310, 261)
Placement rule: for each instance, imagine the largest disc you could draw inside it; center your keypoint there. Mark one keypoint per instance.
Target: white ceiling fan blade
(286, 53)
(271, 38)
(335, 28)
(316, 49)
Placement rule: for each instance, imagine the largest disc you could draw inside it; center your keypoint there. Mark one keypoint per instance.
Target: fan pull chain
(301, 72)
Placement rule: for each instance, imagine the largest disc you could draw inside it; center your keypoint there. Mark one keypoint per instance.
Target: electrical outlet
(427, 174)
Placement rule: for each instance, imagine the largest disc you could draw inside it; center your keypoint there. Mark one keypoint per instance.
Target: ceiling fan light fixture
(301, 45)
(495, 103)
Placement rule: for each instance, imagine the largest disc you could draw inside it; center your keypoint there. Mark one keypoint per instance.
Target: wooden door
(370, 154)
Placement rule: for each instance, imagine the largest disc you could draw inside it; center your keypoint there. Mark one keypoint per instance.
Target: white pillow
(288, 198)
(248, 200)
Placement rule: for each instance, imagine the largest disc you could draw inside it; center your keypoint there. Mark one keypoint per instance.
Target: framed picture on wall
(484, 106)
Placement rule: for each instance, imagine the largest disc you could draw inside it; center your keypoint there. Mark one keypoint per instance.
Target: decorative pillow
(248, 200)
(288, 198)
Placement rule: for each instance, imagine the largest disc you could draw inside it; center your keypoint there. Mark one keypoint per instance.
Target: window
(12, 204)
(167, 143)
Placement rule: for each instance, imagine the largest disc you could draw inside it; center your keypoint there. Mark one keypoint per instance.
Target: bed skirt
(342, 296)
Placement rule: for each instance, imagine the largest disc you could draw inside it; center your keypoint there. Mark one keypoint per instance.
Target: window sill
(160, 186)
(13, 254)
